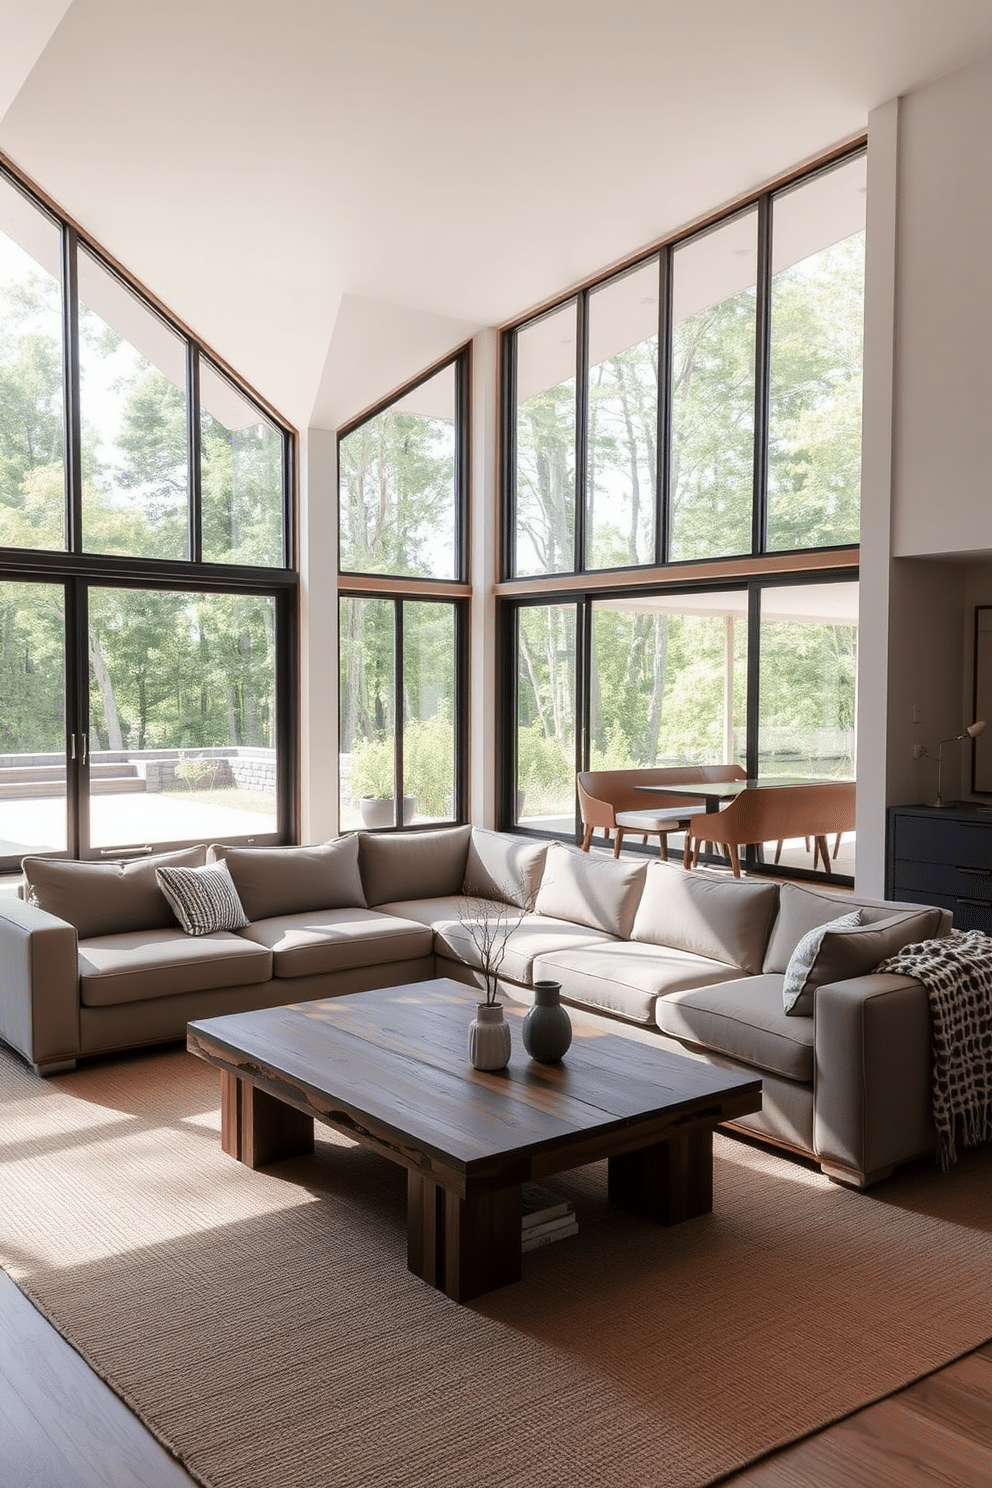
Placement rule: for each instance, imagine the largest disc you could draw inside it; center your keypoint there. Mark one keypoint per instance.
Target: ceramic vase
(489, 1037)
(547, 1030)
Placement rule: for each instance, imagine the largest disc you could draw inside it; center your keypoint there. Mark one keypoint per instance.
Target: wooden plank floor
(61, 1427)
(936, 1431)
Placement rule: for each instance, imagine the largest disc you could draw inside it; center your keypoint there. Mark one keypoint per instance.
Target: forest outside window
(403, 609)
(399, 686)
(147, 601)
(761, 675)
(164, 458)
(401, 475)
(703, 404)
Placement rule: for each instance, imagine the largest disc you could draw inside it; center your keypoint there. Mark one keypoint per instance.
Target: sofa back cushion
(500, 866)
(801, 909)
(274, 881)
(106, 898)
(602, 893)
(723, 919)
(412, 865)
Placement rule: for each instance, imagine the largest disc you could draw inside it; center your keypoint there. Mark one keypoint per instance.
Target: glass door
(181, 724)
(135, 719)
(33, 753)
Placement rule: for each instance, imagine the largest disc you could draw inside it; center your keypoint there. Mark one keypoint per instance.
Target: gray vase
(489, 1038)
(547, 1030)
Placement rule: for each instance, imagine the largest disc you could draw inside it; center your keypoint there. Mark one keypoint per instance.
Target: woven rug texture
(265, 1327)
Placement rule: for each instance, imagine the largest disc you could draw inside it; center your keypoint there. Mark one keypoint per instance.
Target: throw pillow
(858, 949)
(800, 982)
(203, 899)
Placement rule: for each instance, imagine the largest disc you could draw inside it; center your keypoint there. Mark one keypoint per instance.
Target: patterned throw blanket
(957, 973)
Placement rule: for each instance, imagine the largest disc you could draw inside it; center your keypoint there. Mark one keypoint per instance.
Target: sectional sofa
(94, 959)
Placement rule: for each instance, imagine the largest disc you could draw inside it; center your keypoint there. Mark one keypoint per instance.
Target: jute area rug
(264, 1324)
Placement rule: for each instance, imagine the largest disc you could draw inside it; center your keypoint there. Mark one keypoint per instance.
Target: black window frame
(763, 203)
(461, 361)
(77, 570)
(401, 589)
(584, 600)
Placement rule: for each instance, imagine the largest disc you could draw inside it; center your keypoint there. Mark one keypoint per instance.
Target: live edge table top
(390, 1068)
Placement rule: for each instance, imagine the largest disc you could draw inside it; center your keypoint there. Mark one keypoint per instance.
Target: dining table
(716, 793)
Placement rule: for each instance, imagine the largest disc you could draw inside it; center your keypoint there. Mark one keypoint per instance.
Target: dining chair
(818, 810)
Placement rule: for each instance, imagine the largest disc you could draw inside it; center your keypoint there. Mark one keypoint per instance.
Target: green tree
(397, 496)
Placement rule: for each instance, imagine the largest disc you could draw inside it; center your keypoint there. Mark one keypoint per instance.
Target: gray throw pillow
(800, 981)
(203, 899)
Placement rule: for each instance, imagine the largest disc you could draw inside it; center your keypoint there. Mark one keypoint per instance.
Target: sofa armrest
(39, 985)
(872, 1082)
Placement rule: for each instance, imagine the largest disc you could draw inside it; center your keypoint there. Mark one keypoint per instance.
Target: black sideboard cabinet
(942, 855)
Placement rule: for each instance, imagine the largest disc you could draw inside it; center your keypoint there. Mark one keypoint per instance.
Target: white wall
(318, 635)
(485, 547)
(927, 503)
(943, 425)
(876, 496)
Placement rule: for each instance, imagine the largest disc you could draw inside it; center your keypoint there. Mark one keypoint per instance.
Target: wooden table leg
(256, 1128)
(668, 1182)
(463, 1246)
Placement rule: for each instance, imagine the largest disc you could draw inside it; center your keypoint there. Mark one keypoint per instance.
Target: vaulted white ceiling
(333, 193)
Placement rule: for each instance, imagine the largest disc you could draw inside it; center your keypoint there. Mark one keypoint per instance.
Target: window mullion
(663, 473)
(762, 377)
(580, 511)
(195, 510)
(398, 713)
(73, 437)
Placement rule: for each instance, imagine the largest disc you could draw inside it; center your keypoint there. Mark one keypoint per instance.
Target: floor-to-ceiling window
(147, 586)
(403, 606)
(680, 500)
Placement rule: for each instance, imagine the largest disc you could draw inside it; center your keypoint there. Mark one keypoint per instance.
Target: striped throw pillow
(203, 899)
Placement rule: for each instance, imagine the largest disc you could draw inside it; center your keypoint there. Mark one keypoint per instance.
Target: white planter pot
(377, 811)
(489, 1038)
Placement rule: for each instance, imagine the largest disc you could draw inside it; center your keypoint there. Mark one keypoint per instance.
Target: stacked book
(545, 1218)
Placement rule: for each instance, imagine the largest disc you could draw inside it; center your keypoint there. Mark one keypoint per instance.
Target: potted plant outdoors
(489, 923)
(373, 783)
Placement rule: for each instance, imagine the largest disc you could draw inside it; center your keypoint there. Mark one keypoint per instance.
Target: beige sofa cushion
(724, 919)
(412, 865)
(601, 893)
(626, 978)
(292, 880)
(162, 963)
(500, 866)
(338, 940)
(743, 1020)
(530, 935)
(106, 898)
(802, 909)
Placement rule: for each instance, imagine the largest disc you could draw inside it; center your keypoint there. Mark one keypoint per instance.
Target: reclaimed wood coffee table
(390, 1069)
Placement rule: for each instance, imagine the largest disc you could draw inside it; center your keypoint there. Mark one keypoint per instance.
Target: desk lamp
(971, 732)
